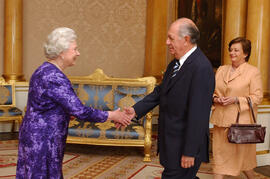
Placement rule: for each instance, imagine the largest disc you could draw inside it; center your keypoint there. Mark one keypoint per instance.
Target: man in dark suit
(184, 98)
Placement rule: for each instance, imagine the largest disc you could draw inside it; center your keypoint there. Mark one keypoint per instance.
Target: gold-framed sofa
(107, 93)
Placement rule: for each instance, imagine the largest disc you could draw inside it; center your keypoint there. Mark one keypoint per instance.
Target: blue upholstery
(127, 96)
(80, 128)
(107, 97)
(93, 95)
(75, 87)
(133, 131)
(10, 111)
(5, 94)
(96, 94)
(132, 95)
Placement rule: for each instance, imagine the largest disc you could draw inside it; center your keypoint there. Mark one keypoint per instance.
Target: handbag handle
(251, 109)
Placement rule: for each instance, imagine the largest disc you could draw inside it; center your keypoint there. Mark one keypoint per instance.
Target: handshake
(122, 118)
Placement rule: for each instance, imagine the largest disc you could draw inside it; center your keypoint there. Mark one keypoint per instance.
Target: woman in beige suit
(233, 84)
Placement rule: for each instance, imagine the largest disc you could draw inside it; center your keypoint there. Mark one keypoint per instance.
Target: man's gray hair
(190, 30)
(58, 41)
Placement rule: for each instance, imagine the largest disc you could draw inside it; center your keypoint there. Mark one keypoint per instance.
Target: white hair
(189, 29)
(58, 41)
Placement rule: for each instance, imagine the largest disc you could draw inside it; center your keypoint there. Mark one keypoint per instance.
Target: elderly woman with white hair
(51, 101)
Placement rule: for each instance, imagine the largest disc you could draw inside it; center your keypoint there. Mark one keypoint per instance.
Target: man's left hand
(187, 162)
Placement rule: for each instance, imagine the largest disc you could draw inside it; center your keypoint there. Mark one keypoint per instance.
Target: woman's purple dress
(43, 133)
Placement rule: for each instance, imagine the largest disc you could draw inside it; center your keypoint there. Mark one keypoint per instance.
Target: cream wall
(111, 34)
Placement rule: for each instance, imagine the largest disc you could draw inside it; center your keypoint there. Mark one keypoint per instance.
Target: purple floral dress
(43, 133)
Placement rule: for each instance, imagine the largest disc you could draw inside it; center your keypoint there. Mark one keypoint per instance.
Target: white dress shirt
(184, 57)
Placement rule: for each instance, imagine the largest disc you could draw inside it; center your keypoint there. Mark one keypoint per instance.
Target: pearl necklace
(55, 63)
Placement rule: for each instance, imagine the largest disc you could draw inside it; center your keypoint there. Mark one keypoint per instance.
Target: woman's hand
(130, 112)
(218, 100)
(119, 117)
(229, 100)
(226, 100)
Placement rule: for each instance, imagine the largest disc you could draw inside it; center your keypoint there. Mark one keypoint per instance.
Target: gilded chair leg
(148, 138)
(20, 122)
(147, 151)
(147, 158)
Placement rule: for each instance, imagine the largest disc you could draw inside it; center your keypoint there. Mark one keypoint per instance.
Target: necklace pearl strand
(55, 63)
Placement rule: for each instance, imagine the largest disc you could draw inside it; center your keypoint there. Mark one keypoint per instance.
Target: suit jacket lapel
(178, 76)
(234, 75)
(167, 77)
(182, 70)
(227, 76)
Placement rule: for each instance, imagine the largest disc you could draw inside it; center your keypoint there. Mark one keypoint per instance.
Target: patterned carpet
(100, 162)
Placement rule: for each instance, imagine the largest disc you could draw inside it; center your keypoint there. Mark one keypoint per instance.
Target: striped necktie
(176, 68)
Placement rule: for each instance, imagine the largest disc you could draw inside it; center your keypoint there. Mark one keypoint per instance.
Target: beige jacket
(245, 81)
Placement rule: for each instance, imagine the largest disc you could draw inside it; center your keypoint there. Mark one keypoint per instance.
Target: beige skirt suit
(228, 158)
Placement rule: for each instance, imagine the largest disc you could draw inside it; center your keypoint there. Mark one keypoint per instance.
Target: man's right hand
(187, 162)
(119, 117)
(130, 112)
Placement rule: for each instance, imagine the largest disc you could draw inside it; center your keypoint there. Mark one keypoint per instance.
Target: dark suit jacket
(184, 108)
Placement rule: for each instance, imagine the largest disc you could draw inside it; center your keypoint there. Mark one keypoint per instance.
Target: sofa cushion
(6, 95)
(106, 130)
(125, 96)
(9, 111)
(96, 96)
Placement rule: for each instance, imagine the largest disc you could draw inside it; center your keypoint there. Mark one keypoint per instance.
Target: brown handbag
(246, 133)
